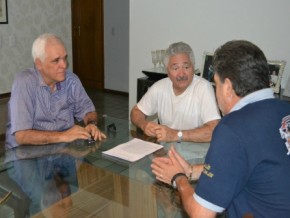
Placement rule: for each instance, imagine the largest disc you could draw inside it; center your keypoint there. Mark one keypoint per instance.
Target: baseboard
(2, 137)
(5, 95)
(116, 92)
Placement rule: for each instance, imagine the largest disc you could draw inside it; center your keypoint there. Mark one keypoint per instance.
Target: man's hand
(165, 134)
(161, 132)
(74, 133)
(91, 121)
(96, 134)
(166, 167)
(185, 165)
(150, 128)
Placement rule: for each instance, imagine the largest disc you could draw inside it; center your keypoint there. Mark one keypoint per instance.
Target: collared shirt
(259, 95)
(33, 106)
(253, 97)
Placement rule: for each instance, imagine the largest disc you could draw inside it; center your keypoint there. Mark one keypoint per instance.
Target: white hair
(38, 46)
(178, 48)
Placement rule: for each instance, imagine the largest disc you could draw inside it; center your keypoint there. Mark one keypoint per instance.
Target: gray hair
(178, 48)
(38, 47)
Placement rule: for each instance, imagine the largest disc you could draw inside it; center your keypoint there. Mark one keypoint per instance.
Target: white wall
(26, 20)
(116, 40)
(153, 24)
(205, 25)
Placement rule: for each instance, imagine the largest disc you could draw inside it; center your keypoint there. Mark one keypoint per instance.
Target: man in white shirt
(184, 103)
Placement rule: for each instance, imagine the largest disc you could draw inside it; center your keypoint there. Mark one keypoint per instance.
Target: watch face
(174, 184)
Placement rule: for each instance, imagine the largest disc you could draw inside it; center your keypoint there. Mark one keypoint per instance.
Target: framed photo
(3, 12)
(207, 67)
(276, 69)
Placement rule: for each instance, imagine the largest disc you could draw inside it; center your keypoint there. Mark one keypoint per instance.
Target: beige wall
(26, 20)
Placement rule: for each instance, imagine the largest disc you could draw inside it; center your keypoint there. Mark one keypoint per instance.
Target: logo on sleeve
(285, 132)
(206, 170)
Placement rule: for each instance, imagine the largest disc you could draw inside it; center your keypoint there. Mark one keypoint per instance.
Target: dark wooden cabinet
(143, 84)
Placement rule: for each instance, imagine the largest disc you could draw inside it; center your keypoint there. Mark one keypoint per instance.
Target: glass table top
(76, 180)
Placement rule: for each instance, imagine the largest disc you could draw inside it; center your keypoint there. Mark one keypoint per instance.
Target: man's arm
(193, 208)
(91, 122)
(199, 134)
(91, 117)
(165, 168)
(38, 137)
(138, 118)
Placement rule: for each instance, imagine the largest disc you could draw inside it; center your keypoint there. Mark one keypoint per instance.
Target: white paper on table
(133, 150)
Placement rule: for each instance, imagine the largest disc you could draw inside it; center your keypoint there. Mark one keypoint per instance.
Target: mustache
(182, 78)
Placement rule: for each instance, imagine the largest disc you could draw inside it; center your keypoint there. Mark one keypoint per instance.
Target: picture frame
(207, 67)
(3, 12)
(286, 91)
(276, 69)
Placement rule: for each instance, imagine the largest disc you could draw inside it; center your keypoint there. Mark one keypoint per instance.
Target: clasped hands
(161, 132)
(165, 168)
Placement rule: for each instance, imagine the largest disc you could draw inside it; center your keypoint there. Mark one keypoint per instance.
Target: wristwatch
(173, 183)
(180, 135)
(94, 122)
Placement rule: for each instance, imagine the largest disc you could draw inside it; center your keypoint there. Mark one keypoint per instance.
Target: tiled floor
(111, 104)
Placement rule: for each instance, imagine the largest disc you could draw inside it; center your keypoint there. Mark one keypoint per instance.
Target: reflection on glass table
(76, 180)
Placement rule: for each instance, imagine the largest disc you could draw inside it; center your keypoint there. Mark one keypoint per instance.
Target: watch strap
(94, 122)
(173, 183)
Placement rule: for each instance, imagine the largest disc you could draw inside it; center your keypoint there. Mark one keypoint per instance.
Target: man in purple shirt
(46, 100)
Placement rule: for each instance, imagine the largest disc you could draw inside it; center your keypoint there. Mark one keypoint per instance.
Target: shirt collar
(42, 83)
(253, 97)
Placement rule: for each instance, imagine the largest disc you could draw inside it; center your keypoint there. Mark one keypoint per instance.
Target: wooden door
(88, 42)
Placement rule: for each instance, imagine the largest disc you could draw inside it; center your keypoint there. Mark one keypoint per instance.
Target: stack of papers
(133, 150)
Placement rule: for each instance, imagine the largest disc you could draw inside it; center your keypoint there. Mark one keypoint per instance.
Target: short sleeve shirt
(33, 106)
(247, 167)
(194, 107)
